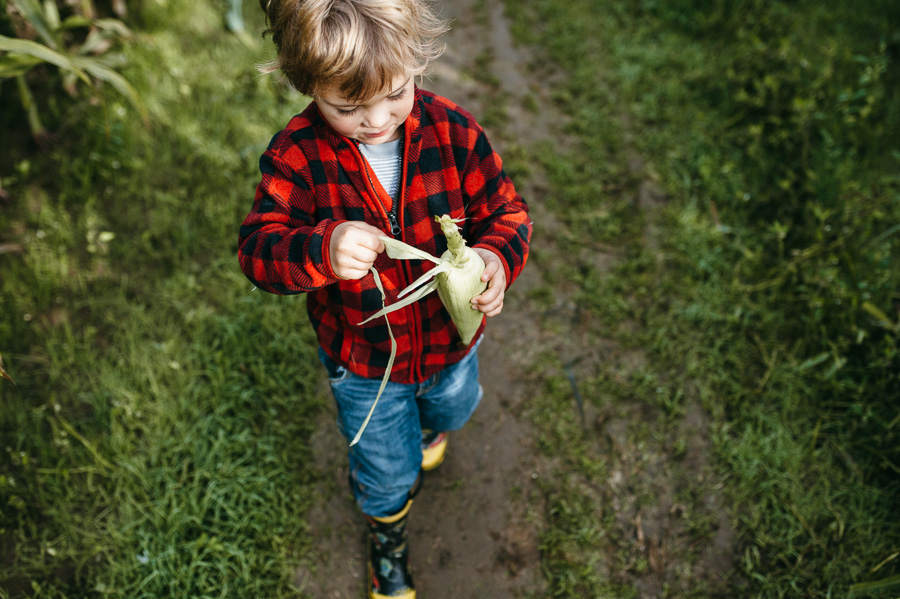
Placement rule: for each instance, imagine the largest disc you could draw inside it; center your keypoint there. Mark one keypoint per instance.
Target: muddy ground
(475, 526)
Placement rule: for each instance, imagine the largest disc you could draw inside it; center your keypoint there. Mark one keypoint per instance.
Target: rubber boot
(389, 574)
(434, 449)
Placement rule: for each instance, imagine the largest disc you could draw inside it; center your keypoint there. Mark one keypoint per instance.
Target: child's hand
(490, 302)
(354, 247)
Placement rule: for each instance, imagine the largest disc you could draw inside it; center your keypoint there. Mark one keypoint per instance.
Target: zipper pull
(395, 226)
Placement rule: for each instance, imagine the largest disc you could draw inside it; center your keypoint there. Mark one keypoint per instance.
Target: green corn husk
(457, 278)
(459, 284)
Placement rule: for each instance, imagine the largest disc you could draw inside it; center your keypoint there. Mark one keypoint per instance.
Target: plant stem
(87, 9)
(30, 106)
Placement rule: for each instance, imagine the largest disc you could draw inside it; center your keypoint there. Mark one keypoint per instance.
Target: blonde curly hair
(359, 45)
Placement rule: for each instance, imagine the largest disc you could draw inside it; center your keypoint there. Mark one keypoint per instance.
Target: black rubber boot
(389, 574)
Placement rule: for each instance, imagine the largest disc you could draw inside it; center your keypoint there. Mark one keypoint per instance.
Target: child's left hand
(490, 302)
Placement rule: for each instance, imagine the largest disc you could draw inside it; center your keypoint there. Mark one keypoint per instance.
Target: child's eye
(399, 96)
(347, 112)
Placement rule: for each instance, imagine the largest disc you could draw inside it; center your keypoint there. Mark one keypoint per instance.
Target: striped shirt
(385, 162)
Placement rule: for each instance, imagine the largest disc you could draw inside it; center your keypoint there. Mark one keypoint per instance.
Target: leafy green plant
(79, 45)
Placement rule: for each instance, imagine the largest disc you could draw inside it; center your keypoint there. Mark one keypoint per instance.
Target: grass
(743, 278)
(155, 442)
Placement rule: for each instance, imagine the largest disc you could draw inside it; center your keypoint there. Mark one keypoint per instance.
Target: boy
(373, 155)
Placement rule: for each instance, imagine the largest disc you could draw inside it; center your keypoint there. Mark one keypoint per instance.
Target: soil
(475, 526)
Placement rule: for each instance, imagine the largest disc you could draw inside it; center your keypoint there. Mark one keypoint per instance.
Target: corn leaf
(112, 60)
(74, 22)
(13, 65)
(87, 8)
(97, 42)
(27, 99)
(113, 25)
(35, 16)
(101, 38)
(104, 73)
(51, 12)
(36, 50)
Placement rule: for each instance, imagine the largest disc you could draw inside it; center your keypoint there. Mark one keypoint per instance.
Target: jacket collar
(412, 134)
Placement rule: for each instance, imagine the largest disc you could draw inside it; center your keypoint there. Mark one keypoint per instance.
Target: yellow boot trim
(432, 457)
(409, 595)
(394, 518)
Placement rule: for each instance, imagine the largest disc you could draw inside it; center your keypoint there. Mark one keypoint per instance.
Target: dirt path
(475, 526)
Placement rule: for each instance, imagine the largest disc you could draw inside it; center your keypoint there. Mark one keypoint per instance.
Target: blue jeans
(386, 461)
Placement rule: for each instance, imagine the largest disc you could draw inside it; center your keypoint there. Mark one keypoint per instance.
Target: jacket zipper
(416, 342)
(393, 221)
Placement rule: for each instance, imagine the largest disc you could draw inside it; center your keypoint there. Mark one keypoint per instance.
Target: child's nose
(378, 117)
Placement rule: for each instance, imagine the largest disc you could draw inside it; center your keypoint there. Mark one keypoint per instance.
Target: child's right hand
(354, 247)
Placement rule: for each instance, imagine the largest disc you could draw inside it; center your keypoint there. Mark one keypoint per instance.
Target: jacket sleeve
(500, 220)
(282, 248)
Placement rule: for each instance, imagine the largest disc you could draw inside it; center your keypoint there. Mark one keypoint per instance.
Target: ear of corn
(457, 285)
(457, 278)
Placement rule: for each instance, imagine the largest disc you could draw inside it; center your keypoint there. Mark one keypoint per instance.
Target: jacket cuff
(326, 268)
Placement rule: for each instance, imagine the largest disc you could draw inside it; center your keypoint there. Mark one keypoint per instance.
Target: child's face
(375, 121)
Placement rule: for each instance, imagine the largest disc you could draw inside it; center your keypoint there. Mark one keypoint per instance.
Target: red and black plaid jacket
(313, 179)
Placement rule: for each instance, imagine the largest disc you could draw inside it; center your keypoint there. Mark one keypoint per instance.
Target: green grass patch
(760, 281)
(155, 442)
(742, 161)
